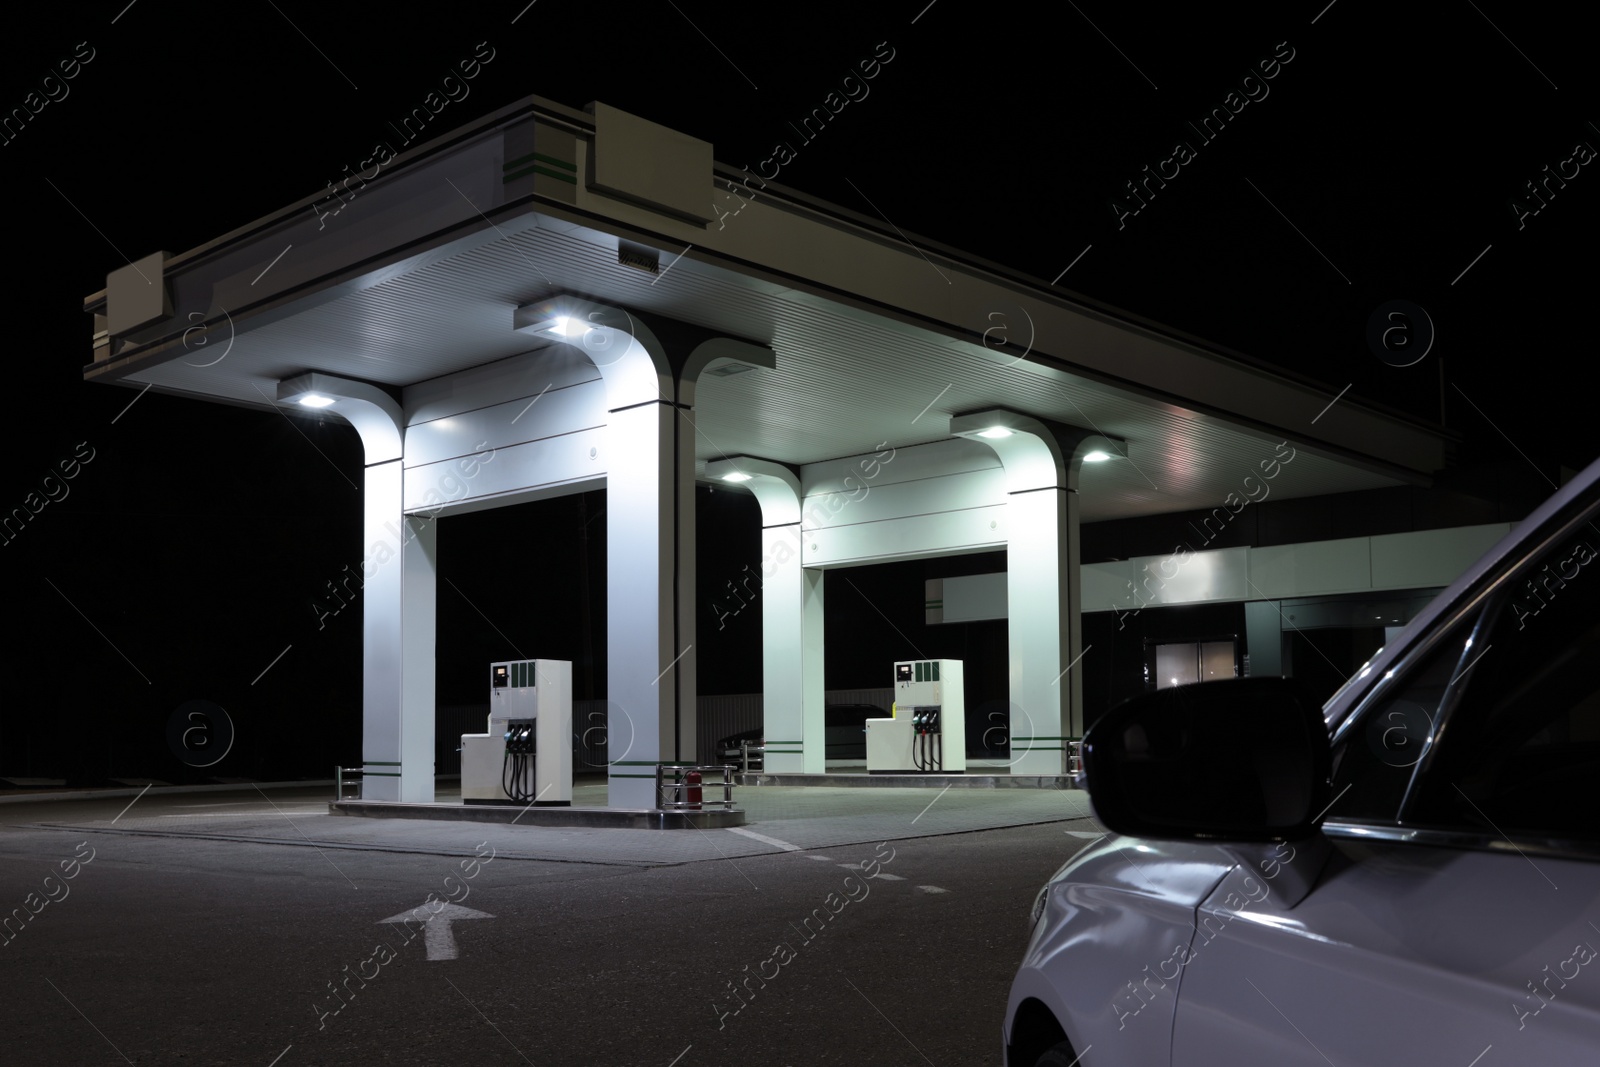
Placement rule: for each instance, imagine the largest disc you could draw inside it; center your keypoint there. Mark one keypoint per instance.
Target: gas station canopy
(416, 270)
(553, 300)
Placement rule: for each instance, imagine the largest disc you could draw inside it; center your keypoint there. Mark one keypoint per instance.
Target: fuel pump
(525, 756)
(928, 704)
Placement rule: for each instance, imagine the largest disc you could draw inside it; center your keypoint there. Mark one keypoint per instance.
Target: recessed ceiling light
(995, 432)
(316, 400)
(1096, 456)
(736, 476)
(566, 326)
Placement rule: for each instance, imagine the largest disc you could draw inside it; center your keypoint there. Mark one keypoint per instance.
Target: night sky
(1362, 156)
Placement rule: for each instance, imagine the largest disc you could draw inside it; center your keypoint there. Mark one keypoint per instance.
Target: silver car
(1409, 874)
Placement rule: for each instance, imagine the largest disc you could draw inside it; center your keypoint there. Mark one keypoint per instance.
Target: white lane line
(932, 889)
(240, 814)
(1084, 833)
(773, 841)
(824, 859)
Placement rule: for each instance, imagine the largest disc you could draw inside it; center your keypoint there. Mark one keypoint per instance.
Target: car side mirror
(1245, 759)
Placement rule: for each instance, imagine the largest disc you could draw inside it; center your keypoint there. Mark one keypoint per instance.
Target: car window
(1377, 755)
(1520, 752)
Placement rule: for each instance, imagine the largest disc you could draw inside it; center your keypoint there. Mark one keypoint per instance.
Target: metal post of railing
(679, 787)
(338, 782)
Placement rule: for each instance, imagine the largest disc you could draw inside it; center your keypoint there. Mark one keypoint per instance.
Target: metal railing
(745, 748)
(338, 782)
(673, 795)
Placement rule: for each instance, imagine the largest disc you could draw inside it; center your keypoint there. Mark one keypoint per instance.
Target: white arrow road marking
(437, 935)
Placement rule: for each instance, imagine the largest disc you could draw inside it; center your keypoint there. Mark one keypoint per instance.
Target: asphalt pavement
(849, 926)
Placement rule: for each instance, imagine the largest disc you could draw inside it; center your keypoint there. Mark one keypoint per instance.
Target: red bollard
(692, 782)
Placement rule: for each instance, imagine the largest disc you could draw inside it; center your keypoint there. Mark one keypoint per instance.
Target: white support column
(813, 698)
(650, 531)
(683, 674)
(398, 593)
(1041, 593)
(1045, 631)
(382, 604)
(418, 625)
(792, 697)
(649, 441)
(783, 587)
(644, 721)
